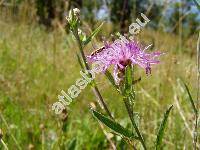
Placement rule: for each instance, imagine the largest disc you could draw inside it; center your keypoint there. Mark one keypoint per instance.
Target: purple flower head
(122, 53)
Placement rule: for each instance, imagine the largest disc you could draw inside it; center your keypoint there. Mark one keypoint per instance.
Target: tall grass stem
(5, 122)
(4, 144)
(198, 88)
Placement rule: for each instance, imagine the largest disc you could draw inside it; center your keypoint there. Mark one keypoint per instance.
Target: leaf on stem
(72, 144)
(161, 129)
(190, 98)
(94, 33)
(113, 125)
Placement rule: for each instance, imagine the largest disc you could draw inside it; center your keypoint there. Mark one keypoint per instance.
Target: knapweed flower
(122, 53)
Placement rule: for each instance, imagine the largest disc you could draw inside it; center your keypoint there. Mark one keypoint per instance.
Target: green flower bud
(73, 19)
(82, 35)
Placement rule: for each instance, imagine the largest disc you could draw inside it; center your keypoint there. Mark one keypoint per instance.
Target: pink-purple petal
(121, 52)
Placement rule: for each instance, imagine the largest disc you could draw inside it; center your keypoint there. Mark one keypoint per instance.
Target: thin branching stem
(95, 88)
(97, 92)
(198, 92)
(198, 71)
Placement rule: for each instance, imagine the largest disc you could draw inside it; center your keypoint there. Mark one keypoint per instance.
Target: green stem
(198, 94)
(95, 88)
(14, 139)
(4, 144)
(196, 132)
(81, 50)
(133, 122)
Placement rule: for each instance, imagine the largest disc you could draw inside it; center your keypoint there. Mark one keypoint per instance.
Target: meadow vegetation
(36, 64)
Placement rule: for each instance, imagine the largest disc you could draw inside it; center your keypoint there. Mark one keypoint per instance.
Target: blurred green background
(38, 60)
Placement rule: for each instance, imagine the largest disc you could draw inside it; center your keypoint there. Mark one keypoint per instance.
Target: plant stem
(81, 50)
(4, 144)
(198, 93)
(133, 122)
(196, 132)
(95, 88)
(198, 71)
(43, 140)
(98, 94)
(5, 122)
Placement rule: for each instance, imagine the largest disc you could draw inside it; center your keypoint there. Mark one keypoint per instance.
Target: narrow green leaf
(161, 129)
(197, 2)
(94, 33)
(190, 98)
(113, 125)
(72, 144)
(111, 79)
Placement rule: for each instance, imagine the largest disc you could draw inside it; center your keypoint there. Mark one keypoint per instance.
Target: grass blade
(72, 144)
(94, 33)
(190, 98)
(161, 129)
(4, 144)
(113, 125)
(198, 69)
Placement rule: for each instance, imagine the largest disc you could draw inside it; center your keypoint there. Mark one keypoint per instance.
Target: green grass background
(35, 65)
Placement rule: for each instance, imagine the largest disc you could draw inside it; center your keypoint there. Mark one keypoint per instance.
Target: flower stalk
(131, 116)
(128, 93)
(87, 67)
(124, 55)
(198, 94)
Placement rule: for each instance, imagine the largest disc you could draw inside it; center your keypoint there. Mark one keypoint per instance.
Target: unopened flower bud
(76, 12)
(74, 16)
(82, 35)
